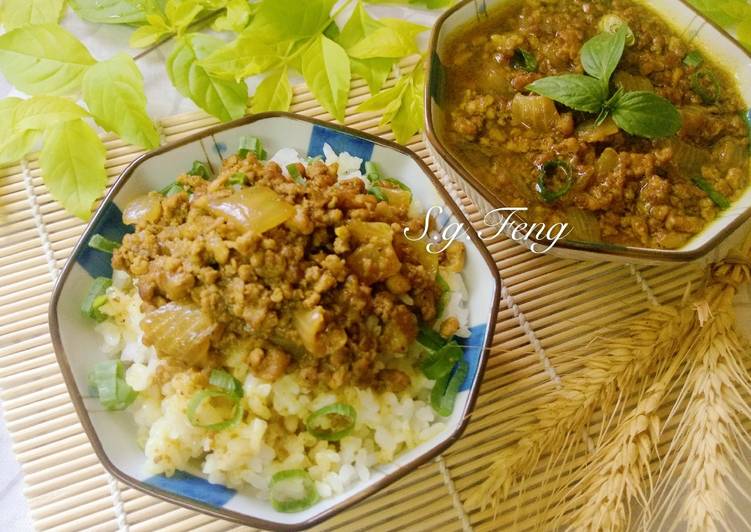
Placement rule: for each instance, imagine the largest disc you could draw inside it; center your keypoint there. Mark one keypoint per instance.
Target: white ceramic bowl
(716, 43)
(113, 434)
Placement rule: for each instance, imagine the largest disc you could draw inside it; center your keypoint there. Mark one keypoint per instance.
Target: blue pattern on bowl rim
(76, 343)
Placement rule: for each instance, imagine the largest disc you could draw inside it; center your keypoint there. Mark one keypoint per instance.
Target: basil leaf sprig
(639, 113)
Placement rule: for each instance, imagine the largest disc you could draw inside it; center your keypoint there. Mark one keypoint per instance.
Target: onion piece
(687, 158)
(535, 112)
(590, 131)
(309, 324)
(179, 331)
(371, 232)
(584, 225)
(257, 208)
(631, 83)
(143, 209)
(607, 162)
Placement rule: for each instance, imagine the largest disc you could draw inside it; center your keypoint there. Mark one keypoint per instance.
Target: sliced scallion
(717, 198)
(249, 145)
(171, 189)
(548, 170)
(705, 84)
(441, 362)
(693, 59)
(524, 60)
(224, 381)
(443, 298)
(105, 245)
(195, 402)
(292, 490)
(238, 178)
(377, 192)
(96, 297)
(200, 169)
(108, 380)
(294, 173)
(341, 418)
(445, 390)
(430, 339)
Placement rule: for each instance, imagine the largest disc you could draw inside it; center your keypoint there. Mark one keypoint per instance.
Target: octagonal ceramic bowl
(113, 434)
(704, 35)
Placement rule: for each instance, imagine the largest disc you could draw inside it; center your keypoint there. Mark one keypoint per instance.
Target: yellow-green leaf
(235, 18)
(17, 145)
(43, 59)
(225, 99)
(247, 55)
(407, 121)
(40, 112)
(17, 13)
(113, 92)
(359, 26)
(374, 71)
(325, 67)
(72, 162)
(112, 11)
(387, 41)
(273, 94)
(156, 29)
(296, 19)
(181, 13)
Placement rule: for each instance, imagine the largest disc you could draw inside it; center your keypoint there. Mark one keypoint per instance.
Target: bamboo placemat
(547, 305)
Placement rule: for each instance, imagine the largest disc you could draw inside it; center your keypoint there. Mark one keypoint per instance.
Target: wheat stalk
(709, 444)
(630, 351)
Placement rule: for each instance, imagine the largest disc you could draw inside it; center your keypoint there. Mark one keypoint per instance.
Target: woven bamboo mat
(547, 305)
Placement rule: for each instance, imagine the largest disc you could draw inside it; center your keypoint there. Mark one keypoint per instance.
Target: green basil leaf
(72, 162)
(601, 54)
(248, 55)
(111, 11)
(113, 91)
(225, 99)
(326, 70)
(43, 59)
(645, 114)
(17, 13)
(296, 19)
(273, 94)
(374, 71)
(580, 93)
(40, 112)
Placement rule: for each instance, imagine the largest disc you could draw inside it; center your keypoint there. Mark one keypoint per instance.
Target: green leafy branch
(273, 38)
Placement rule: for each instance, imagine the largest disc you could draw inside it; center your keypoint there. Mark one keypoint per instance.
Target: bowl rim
(233, 515)
(604, 249)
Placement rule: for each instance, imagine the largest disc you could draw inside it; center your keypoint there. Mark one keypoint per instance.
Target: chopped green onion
(705, 84)
(439, 363)
(292, 490)
(108, 380)
(719, 199)
(96, 297)
(251, 145)
(524, 60)
(105, 245)
(294, 173)
(693, 59)
(548, 195)
(238, 178)
(442, 299)
(430, 339)
(171, 189)
(377, 192)
(342, 418)
(372, 172)
(224, 381)
(200, 169)
(198, 399)
(443, 395)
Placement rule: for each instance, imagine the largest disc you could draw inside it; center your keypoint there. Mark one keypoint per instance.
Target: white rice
(272, 436)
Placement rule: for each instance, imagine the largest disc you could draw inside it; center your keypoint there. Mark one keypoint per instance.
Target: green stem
(197, 23)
